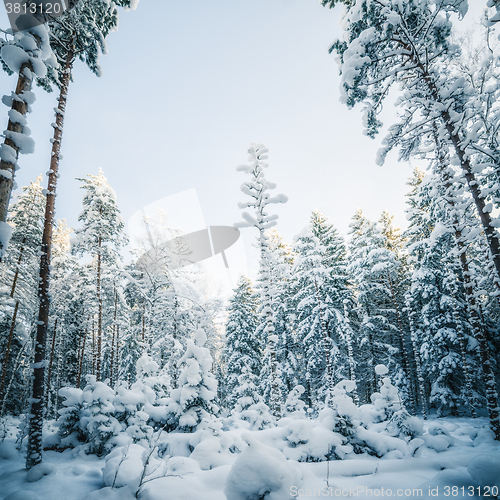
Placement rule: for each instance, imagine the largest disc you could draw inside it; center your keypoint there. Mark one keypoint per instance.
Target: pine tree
(396, 275)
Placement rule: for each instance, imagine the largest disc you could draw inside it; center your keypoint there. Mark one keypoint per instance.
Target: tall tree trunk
(93, 347)
(8, 169)
(51, 360)
(416, 354)
(82, 355)
(117, 353)
(7, 350)
(14, 370)
(34, 450)
(373, 379)
(463, 157)
(402, 341)
(144, 323)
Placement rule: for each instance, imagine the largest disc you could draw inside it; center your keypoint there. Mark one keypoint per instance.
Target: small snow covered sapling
(250, 406)
(192, 401)
(389, 409)
(98, 421)
(294, 406)
(69, 433)
(345, 409)
(387, 400)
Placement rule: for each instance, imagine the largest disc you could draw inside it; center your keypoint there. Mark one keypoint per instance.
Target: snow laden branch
(28, 54)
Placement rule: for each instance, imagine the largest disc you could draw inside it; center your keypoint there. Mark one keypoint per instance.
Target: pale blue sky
(187, 86)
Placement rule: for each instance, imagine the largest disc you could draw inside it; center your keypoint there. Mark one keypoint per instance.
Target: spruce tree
(242, 350)
(257, 188)
(369, 262)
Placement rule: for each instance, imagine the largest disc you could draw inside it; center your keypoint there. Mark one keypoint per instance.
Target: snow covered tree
(439, 220)
(315, 322)
(242, 350)
(81, 31)
(18, 281)
(192, 402)
(28, 55)
(387, 43)
(337, 286)
(101, 236)
(369, 262)
(397, 276)
(257, 188)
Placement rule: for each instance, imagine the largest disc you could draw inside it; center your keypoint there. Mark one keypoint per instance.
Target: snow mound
(111, 494)
(258, 471)
(22, 495)
(8, 450)
(485, 469)
(38, 471)
(124, 467)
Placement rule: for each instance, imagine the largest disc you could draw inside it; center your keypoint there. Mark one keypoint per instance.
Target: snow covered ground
(457, 459)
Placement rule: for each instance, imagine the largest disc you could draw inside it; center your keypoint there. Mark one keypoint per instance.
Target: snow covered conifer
(388, 43)
(19, 288)
(242, 350)
(257, 188)
(316, 321)
(97, 419)
(101, 236)
(192, 401)
(368, 263)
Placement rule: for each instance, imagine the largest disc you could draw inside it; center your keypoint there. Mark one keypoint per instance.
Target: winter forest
(359, 363)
